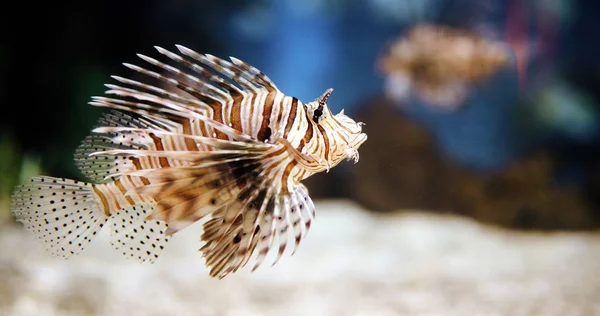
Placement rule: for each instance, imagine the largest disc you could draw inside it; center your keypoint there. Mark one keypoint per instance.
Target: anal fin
(135, 236)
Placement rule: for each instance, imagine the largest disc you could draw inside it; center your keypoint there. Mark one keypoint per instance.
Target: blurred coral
(440, 64)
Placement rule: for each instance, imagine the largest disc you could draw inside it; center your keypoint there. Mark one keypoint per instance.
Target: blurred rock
(524, 196)
(399, 165)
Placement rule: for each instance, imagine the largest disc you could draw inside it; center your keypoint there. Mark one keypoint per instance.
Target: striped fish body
(198, 138)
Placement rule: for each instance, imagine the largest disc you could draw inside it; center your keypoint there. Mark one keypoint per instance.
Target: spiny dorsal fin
(239, 71)
(192, 87)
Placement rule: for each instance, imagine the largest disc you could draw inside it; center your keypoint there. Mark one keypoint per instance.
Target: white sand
(352, 263)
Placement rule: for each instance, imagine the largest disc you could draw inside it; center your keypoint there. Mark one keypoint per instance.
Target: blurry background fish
(483, 110)
(440, 64)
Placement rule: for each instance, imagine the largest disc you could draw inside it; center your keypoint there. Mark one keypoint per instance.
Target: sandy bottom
(351, 263)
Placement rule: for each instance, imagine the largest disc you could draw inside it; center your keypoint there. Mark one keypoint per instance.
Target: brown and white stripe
(232, 93)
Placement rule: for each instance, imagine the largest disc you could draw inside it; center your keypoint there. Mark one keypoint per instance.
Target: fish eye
(317, 115)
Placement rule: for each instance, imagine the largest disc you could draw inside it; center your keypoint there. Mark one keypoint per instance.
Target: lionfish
(440, 65)
(209, 139)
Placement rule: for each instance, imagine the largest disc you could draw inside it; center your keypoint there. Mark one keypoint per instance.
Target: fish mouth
(352, 149)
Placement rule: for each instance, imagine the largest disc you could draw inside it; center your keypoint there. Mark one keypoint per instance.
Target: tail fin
(65, 214)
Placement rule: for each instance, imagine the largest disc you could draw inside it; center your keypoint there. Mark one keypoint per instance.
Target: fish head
(344, 134)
